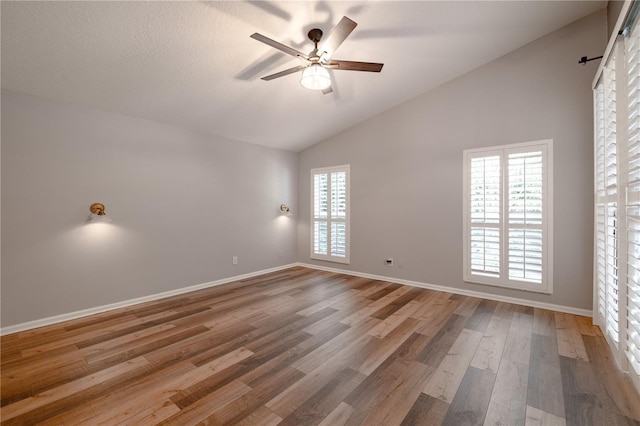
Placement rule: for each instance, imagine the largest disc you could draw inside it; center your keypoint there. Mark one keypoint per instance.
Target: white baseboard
(471, 293)
(104, 308)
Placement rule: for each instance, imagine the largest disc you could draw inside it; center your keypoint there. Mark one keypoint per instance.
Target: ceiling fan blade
(283, 73)
(281, 47)
(354, 66)
(339, 33)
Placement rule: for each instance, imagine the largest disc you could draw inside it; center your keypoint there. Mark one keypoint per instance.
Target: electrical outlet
(235, 260)
(389, 262)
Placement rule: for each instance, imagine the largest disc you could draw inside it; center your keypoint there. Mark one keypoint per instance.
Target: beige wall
(406, 165)
(182, 205)
(613, 11)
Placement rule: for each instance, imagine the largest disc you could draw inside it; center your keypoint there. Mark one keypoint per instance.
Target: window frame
(503, 280)
(330, 220)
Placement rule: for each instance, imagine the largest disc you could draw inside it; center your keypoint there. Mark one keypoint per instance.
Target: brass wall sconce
(285, 209)
(97, 214)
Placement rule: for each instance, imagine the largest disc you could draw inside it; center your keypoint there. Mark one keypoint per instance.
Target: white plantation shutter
(601, 261)
(632, 65)
(330, 214)
(617, 193)
(507, 231)
(611, 210)
(525, 190)
(606, 186)
(611, 274)
(320, 213)
(600, 196)
(610, 124)
(485, 215)
(339, 213)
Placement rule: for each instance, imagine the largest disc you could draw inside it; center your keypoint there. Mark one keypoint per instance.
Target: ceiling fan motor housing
(315, 35)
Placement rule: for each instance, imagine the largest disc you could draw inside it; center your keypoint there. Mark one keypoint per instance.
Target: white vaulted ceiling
(193, 65)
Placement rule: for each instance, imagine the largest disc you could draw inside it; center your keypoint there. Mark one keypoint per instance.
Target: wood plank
(491, 347)
(401, 395)
(434, 320)
(263, 389)
(202, 409)
(262, 416)
(469, 406)
(323, 402)
(339, 416)
(346, 339)
(435, 303)
(447, 378)
(426, 411)
(468, 305)
(384, 292)
(439, 346)
(374, 387)
(537, 417)
(544, 322)
(518, 344)
(396, 304)
(508, 403)
(394, 320)
(340, 314)
(570, 343)
(378, 303)
(387, 346)
(545, 378)
(291, 398)
(481, 316)
(156, 413)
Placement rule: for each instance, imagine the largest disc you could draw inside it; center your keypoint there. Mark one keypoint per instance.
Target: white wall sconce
(97, 214)
(285, 209)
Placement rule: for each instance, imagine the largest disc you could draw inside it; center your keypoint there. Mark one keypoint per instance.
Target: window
(330, 214)
(617, 196)
(507, 216)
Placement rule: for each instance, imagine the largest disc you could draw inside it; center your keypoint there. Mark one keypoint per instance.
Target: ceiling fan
(315, 64)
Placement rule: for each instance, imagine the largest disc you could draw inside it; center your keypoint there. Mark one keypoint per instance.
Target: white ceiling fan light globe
(315, 77)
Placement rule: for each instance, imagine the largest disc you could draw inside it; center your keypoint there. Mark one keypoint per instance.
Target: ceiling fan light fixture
(315, 77)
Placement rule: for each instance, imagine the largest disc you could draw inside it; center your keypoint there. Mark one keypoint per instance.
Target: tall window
(330, 214)
(617, 196)
(507, 206)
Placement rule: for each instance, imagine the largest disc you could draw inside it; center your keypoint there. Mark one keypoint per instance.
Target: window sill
(545, 288)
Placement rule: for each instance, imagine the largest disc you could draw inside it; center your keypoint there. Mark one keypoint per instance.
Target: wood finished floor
(304, 347)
